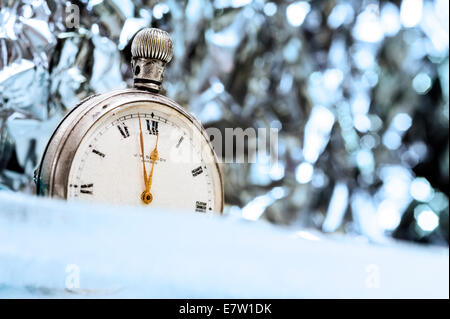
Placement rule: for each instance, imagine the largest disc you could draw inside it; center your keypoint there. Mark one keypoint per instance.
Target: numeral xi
(123, 130)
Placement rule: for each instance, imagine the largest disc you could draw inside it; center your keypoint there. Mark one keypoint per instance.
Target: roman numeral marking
(98, 153)
(153, 128)
(179, 141)
(197, 171)
(200, 207)
(86, 188)
(123, 130)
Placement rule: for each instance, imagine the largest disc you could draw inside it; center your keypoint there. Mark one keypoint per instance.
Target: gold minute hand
(141, 139)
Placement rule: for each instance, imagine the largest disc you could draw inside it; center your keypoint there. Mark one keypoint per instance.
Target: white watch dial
(107, 166)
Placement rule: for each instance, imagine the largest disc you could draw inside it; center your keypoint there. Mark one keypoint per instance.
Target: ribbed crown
(152, 43)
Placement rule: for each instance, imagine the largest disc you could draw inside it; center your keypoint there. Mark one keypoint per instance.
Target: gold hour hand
(146, 196)
(153, 157)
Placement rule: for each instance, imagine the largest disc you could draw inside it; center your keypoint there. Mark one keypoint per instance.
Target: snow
(47, 246)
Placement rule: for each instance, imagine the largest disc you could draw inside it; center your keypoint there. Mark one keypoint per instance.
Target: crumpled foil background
(358, 89)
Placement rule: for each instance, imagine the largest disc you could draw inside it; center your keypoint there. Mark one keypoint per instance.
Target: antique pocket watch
(134, 146)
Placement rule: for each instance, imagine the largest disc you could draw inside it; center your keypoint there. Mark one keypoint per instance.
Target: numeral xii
(152, 127)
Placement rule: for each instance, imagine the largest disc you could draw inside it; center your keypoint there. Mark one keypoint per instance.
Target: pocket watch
(134, 146)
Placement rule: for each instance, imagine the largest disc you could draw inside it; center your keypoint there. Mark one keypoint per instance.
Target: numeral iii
(200, 207)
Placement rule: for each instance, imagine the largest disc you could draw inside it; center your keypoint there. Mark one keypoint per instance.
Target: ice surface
(136, 252)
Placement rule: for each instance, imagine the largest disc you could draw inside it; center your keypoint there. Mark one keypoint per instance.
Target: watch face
(146, 153)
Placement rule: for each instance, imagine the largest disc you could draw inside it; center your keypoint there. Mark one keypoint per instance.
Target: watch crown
(152, 43)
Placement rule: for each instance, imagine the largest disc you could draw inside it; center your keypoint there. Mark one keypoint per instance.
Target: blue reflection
(411, 12)
(296, 12)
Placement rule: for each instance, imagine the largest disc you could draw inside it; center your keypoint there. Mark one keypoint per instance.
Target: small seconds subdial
(145, 156)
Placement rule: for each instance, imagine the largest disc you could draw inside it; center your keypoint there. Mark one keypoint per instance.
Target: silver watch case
(53, 172)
